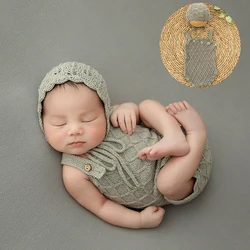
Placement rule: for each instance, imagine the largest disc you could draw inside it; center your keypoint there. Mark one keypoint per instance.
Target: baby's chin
(72, 151)
(78, 152)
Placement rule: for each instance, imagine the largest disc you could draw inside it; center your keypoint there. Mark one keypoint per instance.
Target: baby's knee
(170, 189)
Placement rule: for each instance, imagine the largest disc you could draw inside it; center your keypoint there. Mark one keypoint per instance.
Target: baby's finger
(114, 120)
(133, 122)
(128, 124)
(121, 121)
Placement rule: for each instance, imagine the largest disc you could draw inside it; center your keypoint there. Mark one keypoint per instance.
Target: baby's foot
(175, 146)
(187, 117)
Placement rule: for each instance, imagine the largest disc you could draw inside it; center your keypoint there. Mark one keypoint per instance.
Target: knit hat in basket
(198, 12)
(77, 73)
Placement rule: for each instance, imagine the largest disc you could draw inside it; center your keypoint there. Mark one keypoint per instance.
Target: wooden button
(87, 167)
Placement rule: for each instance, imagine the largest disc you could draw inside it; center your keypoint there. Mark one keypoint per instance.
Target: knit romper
(200, 60)
(118, 173)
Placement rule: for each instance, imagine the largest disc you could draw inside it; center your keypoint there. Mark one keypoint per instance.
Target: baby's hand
(151, 216)
(126, 117)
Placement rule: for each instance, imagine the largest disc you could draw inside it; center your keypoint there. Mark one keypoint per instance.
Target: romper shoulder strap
(187, 35)
(210, 35)
(87, 166)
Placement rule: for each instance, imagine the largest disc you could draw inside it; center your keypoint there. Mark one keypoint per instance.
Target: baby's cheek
(92, 131)
(58, 136)
(99, 133)
(56, 139)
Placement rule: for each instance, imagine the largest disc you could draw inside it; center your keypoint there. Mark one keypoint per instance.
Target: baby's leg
(175, 180)
(154, 115)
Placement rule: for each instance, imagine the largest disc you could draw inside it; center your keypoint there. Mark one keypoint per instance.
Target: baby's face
(74, 119)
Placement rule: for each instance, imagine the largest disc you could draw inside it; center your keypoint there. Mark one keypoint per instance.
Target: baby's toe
(181, 105)
(172, 108)
(177, 106)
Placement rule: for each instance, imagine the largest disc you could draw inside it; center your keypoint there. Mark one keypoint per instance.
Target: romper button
(87, 167)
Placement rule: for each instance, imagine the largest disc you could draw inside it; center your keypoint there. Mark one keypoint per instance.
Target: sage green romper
(200, 60)
(121, 176)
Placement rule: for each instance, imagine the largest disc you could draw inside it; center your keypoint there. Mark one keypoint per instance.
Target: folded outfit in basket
(200, 53)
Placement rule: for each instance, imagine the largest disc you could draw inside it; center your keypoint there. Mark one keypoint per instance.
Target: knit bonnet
(77, 73)
(198, 12)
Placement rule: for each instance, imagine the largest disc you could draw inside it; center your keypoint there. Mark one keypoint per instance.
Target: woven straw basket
(173, 40)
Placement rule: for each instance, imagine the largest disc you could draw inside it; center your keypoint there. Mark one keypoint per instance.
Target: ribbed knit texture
(121, 176)
(75, 72)
(200, 60)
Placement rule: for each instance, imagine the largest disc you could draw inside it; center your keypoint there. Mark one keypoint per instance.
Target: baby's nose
(76, 129)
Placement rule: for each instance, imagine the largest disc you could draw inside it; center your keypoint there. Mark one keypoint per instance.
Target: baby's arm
(86, 194)
(125, 116)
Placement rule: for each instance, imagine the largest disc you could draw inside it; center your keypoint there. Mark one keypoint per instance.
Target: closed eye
(88, 120)
(59, 125)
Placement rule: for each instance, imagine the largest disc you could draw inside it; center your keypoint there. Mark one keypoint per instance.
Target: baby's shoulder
(72, 174)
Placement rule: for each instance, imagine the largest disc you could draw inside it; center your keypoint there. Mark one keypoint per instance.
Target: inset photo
(200, 45)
